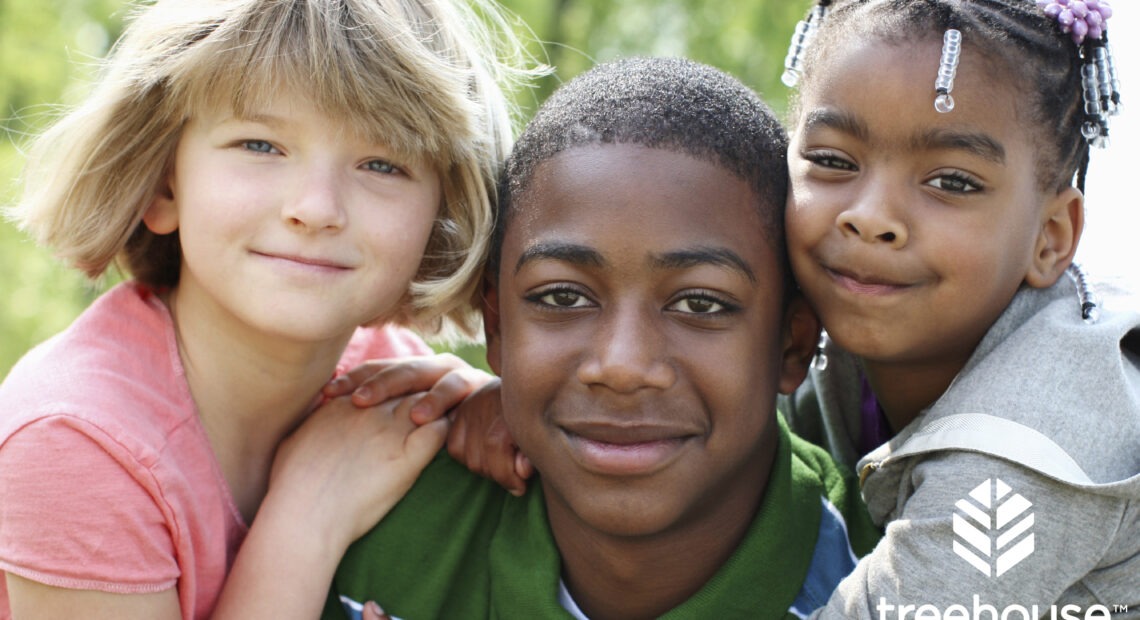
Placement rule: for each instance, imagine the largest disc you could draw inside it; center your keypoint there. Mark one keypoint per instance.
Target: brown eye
(563, 299)
(698, 304)
(955, 182)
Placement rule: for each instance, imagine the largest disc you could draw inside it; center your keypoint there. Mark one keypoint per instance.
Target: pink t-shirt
(107, 478)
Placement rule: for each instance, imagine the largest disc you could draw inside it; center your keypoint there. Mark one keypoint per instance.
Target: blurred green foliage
(48, 50)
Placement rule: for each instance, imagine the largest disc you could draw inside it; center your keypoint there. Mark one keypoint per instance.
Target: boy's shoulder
(813, 467)
(446, 524)
(496, 550)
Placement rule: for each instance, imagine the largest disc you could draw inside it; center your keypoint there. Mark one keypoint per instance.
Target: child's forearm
(332, 480)
(280, 572)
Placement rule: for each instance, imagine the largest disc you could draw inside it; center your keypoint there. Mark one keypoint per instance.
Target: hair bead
(1078, 18)
(1114, 82)
(1109, 97)
(1085, 21)
(801, 38)
(947, 68)
(820, 361)
(1090, 310)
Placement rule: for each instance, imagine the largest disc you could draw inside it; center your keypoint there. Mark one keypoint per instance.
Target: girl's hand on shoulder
(478, 437)
(443, 380)
(345, 467)
(480, 440)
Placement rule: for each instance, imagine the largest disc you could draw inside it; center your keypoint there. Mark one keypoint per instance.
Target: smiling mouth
(864, 285)
(304, 261)
(626, 451)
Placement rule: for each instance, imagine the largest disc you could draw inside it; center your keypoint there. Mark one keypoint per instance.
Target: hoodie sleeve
(973, 530)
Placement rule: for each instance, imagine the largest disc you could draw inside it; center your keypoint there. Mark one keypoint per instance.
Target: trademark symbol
(1120, 609)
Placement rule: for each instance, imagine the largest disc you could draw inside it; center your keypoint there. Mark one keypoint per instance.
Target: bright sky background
(1110, 248)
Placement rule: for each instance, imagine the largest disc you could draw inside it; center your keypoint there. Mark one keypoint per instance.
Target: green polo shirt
(460, 546)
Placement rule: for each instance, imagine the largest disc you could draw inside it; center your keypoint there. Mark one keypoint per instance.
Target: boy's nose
(628, 354)
(314, 202)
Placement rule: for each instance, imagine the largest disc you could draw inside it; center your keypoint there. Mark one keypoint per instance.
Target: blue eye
(259, 146)
(381, 166)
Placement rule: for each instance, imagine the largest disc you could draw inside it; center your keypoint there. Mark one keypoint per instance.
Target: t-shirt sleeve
(77, 513)
(384, 342)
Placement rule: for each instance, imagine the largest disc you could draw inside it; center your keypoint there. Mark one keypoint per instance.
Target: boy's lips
(626, 449)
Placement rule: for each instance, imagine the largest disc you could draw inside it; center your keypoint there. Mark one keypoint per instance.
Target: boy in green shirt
(640, 313)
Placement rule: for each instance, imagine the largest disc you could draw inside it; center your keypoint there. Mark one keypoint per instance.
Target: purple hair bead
(1079, 19)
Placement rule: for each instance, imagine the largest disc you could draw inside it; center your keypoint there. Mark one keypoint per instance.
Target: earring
(947, 68)
(819, 362)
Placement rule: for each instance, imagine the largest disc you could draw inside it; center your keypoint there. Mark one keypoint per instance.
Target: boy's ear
(800, 337)
(161, 217)
(1063, 222)
(491, 324)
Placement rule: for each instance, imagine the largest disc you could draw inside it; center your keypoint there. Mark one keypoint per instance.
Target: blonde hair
(422, 76)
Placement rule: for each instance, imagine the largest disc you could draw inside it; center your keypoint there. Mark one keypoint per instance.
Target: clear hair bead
(819, 362)
(1114, 82)
(947, 68)
(1092, 129)
(1104, 85)
(801, 38)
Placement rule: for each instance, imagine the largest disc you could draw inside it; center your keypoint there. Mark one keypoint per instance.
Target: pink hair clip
(1078, 18)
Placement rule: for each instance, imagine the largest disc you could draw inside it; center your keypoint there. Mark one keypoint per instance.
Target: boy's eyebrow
(569, 252)
(978, 144)
(703, 255)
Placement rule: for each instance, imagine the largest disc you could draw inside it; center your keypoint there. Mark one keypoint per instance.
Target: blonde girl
(271, 175)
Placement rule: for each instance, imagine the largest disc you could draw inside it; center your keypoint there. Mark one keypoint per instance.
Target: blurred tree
(48, 50)
(747, 38)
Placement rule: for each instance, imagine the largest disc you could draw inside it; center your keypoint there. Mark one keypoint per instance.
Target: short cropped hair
(421, 76)
(662, 103)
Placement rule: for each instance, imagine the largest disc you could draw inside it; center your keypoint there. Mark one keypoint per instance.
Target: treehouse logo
(992, 528)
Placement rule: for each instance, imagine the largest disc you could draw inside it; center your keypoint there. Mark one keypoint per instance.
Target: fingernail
(420, 408)
(363, 392)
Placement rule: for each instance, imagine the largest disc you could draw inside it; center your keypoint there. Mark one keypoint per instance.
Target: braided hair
(1014, 35)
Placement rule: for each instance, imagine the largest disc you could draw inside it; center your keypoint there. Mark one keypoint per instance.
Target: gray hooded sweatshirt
(1018, 489)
